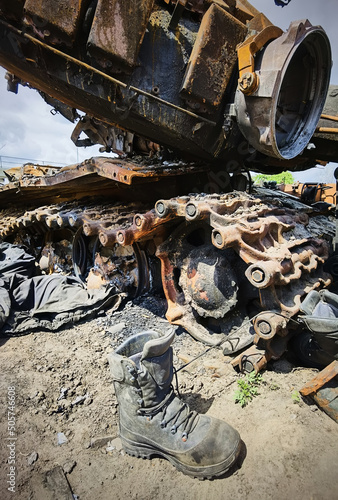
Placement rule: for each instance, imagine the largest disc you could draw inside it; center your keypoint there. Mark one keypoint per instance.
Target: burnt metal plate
(117, 31)
(213, 57)
(57, 21)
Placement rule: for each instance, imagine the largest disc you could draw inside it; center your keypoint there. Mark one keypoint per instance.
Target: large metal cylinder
(293, 71)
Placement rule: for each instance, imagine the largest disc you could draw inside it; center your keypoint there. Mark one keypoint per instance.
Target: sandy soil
(62, 385)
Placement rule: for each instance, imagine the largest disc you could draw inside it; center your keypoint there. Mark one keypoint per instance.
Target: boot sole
(208, 472)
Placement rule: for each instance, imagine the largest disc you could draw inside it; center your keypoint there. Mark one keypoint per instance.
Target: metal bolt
(138, 220)
(160, 208)
(218, 239)
(191, 210)
(257, 276)
(247, 82)
(264, 327)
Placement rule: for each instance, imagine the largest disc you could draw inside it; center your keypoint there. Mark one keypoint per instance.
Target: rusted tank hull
(170, 75)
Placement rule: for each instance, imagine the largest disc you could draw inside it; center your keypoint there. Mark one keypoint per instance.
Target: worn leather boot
(154, 421)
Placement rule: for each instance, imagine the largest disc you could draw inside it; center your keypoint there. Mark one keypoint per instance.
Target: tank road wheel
(205, 289)
(64, 251)
(124, 267)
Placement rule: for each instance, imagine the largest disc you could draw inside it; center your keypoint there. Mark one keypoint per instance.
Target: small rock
(79, 399)
(63, 393)
(32, 458)
(85, 440)
(61, 438)
(69, 466)
(66, 404)
(115, 329)
(41, 396)
(115, 444)
(100, 441)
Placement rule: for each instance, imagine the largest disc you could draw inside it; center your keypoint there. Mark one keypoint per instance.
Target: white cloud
(29, 130)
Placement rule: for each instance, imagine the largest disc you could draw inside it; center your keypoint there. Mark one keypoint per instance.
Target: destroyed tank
(191, 96)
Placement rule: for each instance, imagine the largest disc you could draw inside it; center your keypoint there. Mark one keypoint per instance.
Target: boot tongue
(158, 346)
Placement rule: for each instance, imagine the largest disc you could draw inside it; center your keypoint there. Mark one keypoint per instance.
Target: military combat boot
(317, 345)
(154, 421)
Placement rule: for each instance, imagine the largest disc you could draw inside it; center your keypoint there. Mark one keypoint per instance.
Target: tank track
(234, 267)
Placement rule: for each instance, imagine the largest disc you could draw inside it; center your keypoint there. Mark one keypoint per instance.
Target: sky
(28, 130)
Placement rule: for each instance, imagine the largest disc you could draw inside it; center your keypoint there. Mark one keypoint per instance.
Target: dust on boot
(154, 421)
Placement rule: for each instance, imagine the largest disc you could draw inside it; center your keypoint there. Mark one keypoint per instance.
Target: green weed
(295, 396)
(248, 388)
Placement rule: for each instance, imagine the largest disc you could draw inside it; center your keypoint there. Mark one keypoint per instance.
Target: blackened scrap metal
(147, 99)
(99, 177)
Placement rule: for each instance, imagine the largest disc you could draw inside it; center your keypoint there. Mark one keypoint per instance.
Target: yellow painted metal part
(248, 80)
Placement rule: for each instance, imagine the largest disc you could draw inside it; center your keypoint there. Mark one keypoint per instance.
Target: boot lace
(183, 417)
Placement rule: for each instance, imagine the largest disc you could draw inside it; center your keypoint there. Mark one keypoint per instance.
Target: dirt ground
(66, 415)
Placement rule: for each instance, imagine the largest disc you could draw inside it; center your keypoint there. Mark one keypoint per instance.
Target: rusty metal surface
(117, 31)
(327, 398)
(145, 100)
(57, 21)
(271, 126)
(252, 359)
(206, 280)
(248, 81)
(213, 58)
(243, 231)
(323, 388)
(98, 177)
(64, 238)
(234, 267)
(324, 376)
